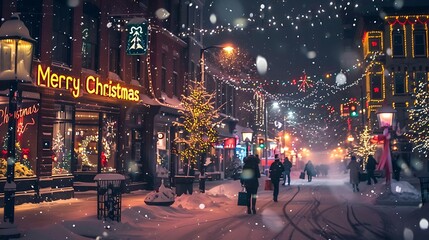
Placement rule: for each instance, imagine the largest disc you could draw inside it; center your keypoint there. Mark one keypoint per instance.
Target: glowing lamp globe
(247, 134)
(16, 51)
(386, 116)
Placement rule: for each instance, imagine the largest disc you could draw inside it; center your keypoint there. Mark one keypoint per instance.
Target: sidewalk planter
(109, 195)
(184, 184)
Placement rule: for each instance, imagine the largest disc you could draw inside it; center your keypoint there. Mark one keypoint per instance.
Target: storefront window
(26, 137)
(109, 139)
(62, 140)
(93, 148)
(86, 140)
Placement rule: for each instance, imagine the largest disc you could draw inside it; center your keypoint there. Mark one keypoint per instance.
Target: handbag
(242, 198)
(302, 175)
(268, 185)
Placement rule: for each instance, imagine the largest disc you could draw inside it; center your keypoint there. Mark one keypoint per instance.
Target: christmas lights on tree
(365, 147)
(199, 114)
(419, 116)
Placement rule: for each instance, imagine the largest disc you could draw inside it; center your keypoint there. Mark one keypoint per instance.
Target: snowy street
(325, 208)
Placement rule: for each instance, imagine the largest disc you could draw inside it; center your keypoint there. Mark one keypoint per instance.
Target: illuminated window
(62, 136)
(374, 44)
(26, 137)
(62, 32)
(419, 43)
(376, 87)
(399, 83)
(398, 43)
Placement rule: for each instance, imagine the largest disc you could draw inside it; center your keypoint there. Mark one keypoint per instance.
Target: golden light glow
(93, 85)
(228, 49)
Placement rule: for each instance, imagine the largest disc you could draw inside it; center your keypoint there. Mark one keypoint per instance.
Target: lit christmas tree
(199, 116)
(419, 116)
(365, 147)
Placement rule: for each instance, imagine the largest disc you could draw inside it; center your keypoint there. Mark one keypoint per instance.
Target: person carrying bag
(242, 198)
(249, 180)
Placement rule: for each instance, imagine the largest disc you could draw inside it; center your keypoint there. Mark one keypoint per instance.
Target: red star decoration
(304, 83)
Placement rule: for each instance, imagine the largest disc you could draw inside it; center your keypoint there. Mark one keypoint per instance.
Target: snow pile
(228, 191)
(401, 193)
(399, 187)
(194, 201)
(163, 197)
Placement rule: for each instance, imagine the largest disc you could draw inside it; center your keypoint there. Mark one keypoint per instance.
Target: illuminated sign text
(47, 78)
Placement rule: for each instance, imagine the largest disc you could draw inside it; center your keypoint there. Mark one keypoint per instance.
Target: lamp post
(247, 136)
(386, 116)
(276, 105)
(16, 51)
(350, 140)
(226, 48)
(202, 60)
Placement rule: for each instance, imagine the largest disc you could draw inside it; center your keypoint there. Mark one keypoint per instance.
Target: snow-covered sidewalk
(213, 214)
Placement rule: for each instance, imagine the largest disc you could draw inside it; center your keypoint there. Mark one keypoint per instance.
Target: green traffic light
(354, 114)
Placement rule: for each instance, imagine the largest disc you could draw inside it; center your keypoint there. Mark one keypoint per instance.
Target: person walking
(370, 168)
(309, 168)
(249, 179)
(276, 171)
(354, 173)
(287, 166)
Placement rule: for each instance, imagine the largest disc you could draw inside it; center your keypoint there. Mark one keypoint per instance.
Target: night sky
(301, 35)
(298, 34)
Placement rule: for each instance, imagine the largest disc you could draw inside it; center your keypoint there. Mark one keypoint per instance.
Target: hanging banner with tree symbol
(137, 37)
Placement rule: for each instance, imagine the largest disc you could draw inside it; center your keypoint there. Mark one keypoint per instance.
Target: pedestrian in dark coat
(287, 166)
(309, 168)
(370, 168)
(276, 171)
(249, 179)
(354, 173)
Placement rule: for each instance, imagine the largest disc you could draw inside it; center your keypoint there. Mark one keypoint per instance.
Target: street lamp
(275, 105)
(386, 116)
(350, 140)
(247, 136)
(226, 48)
(202, 60)
(16, 55)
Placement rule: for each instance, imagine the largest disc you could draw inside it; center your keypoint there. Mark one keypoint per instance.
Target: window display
(26, 137)
(62, 140)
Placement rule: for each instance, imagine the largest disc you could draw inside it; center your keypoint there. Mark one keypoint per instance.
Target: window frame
(395, 49)
(175, 78)
(421, 32)
(62, 33)
(163, 72)
(398, 82)
(90, 14)
(115, 51)
(371, 78)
